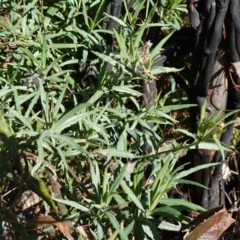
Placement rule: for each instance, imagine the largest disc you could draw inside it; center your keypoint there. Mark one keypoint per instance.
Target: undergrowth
(73, 123)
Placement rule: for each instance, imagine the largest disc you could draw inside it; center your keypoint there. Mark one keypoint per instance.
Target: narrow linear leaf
(194, 169)
(131, 195)
(114, 235)
(37, 186)
(118, 179)
(72, 204)
(180, 202)
(115, 153)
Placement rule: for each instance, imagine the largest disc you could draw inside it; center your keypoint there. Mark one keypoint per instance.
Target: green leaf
(72, 117)
(132, 196)
(96, 96)
(59, 101)
(183, 174)
(140, 32)
(170, 108)
(30, 56)
(138, 230)
(138, 176)
(4, 22)
(72, 143)
(185, 132)
(127, 89)
(37, 186)
(95, 176)
(106, 58)
(115, 153)
(169, 226)
(129, 228)
(51, 11)
(218, 143)
(110, 60)
(65, 46)
(99, 12)
(203, 112)
(44, 52)
(118, 20)
(85, 15)
(22, 119)
(113, 220)
(118, 180)
(105, 186)
(208, 145)
(121, 43)
(158, 48)
(100, 233)
(189, 182)
(4, 128)
(122, 142)
(72, 204)
(114, 235)
(179, 202)
(150, 229)
(159, 70)
(99, 129)
(116, 225)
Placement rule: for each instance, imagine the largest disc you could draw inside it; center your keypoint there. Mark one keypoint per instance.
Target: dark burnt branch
(116, 12)
(213, 39)
(207, 42)
(234, 47)
(193, 9)
(233, 29)
(114, 8)
(205, 52)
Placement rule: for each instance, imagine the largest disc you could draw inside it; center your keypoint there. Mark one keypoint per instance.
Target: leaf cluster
(73, 120)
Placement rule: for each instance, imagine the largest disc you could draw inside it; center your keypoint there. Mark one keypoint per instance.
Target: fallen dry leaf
(211, 228)
(43, 221)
